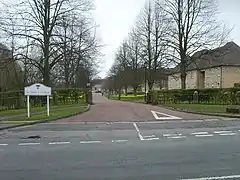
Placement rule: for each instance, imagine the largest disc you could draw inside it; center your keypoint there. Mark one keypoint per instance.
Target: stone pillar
(195, 97)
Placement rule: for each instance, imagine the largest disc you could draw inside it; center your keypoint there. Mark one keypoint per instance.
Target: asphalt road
(111, 111)
(147, 150)
(121, 140)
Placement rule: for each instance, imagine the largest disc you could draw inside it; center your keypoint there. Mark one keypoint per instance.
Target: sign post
(37, 90)
(48, 114)
(28, 107)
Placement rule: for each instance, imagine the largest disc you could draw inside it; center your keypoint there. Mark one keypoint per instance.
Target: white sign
(37, 90)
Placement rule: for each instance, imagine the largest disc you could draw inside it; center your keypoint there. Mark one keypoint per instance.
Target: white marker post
(37, 90)
(48, 114)
(28, 107)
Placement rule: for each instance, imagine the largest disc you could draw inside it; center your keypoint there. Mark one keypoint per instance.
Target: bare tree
(136, 74)
(79, 46)
(152, 27)
(41, 17)
(194, 27)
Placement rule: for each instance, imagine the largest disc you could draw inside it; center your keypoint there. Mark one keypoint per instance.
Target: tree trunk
(183, 72)
(46, 40)
(183, 80)
(150, 86)
(46, 75)
(119, 94)
(126, 90)
(135, 90)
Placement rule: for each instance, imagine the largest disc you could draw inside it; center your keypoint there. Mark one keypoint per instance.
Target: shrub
(204, 96)
(237, 85)
(233, 109)
(16, 99)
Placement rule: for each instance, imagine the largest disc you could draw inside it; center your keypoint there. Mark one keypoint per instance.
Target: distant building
(218, 68)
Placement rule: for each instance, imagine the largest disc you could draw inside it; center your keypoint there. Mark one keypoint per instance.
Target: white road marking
(176, 137)
(199, 133)
(3, 144)
(138, 131)
(168, 135)
(204, 135)
(89, 142)
(215, 178)
(140, 122)
(149, 136)
(151, 139)
(167, 116)
(221, 132)
(58, 143)
(227, 134)
(28, 144)
(119, 141)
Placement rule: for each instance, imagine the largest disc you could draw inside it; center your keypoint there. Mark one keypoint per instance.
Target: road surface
(111, 111)
(123, 145)
(104, 151)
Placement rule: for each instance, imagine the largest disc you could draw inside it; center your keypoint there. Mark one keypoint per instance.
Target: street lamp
(145, 80)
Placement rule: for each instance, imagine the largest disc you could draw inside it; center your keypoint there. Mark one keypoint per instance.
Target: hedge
(196, 96)
(17, 100)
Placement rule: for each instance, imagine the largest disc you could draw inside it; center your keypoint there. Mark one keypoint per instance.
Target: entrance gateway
(37, 90)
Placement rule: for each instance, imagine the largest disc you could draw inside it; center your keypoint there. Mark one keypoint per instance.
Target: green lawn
(56, 113)
(200, 107)
(33, 110)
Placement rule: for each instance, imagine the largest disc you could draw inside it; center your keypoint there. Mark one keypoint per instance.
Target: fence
(17, 100)
(197, 96)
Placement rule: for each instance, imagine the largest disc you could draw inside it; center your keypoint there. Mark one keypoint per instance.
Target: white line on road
(139, 122)
(28, 144)
(199, 133)
(151, 139)
(138, 131)
(176, 137)
(168, 135)
(119, 141)
(149, 136)
(204, 135)
(228, 134)
(215, 178)
(3, 144)
(221, 132)
(58, 143)
(89, 142)
(166, 116)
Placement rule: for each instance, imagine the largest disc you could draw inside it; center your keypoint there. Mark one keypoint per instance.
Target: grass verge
(33, 110)
(202, 108)
(132, 98)
(59, 112)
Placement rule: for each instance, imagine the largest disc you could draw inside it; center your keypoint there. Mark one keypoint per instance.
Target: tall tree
(40, 18)
(194, 27)
(152, 27)
(136, 75)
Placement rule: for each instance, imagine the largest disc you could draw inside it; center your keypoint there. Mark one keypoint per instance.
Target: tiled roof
(227, 55)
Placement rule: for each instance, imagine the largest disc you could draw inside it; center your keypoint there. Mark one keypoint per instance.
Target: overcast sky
(116, 17)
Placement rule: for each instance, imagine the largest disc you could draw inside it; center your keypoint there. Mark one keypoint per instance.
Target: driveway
(105, 110)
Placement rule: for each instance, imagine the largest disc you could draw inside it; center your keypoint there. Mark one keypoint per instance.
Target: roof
(227, 55)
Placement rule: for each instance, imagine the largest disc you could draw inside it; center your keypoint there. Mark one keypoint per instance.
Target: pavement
(123, 148)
